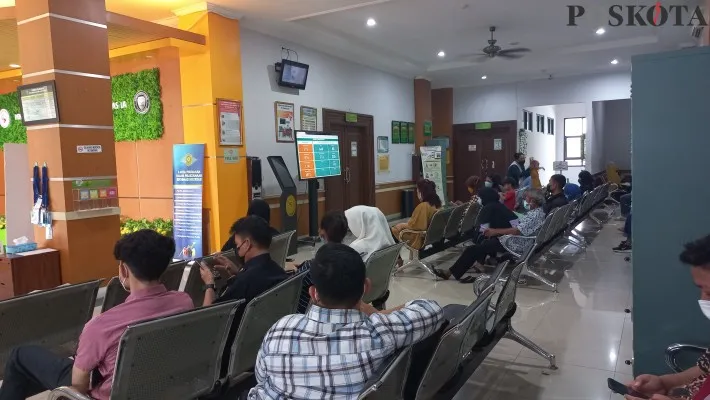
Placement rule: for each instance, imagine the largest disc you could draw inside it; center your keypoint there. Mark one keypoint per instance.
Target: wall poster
(230, 122)
(309, 118)
(395, 132)
(411, 132)
(284, 115)
(432, 169)
(188, 173)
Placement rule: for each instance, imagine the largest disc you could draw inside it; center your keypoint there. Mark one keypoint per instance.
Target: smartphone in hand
(620, 388)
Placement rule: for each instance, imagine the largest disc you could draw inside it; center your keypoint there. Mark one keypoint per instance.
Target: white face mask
(123, 281)
(705, 307)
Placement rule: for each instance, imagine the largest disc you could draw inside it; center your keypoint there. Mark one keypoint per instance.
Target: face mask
(705, 307)
(526, 205)
(489, 184)
(123, 281)
(236, 251)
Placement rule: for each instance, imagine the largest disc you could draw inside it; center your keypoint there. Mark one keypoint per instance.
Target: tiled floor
(585, 325)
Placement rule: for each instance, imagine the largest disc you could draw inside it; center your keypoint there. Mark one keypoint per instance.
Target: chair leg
(579, 237)
(515, 336)
(542, 279)
(419, 264)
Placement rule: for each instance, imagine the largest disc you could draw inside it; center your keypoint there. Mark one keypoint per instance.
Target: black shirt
(554, 201)
(259, 274)
(496, 215)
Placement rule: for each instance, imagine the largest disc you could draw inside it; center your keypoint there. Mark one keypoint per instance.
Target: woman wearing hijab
(257, 207)
(586, 181)
(371, 230)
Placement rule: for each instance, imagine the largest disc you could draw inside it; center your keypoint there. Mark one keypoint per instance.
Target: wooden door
(500, 143)
(356, 184)
(467, 160)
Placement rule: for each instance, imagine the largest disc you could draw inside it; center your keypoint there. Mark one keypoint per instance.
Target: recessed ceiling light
(441, 53)
(14, 65)
(484, 77)
(614, 61)
(601, 31)
(371, 22)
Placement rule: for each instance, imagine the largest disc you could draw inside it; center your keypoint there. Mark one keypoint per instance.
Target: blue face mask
(526, 205)
(489, 184)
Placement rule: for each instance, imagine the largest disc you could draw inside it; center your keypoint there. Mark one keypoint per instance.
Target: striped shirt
(331, 353)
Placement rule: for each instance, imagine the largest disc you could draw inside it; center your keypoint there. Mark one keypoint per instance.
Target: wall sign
(230, 122)
(231, 156)
(188, 173)
(427, 128)
(396, 134)
(89, 148)
(410, 127)
(482, 126)
(137, 106)
(309, 118)
(497, 144)
(39, 103)
(471, 147)
(350, 117)
(283, 112)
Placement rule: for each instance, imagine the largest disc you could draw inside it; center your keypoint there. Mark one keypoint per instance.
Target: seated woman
(333, 228)
(422, 215)
(508, 196)
(493, 215)
(257, 207)
(472, 185)
(371, 230)
(586, 181)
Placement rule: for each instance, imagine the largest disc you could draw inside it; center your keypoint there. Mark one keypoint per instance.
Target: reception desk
(25, 272)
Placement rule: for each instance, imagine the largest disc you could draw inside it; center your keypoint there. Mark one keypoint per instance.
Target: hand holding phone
(620, 388)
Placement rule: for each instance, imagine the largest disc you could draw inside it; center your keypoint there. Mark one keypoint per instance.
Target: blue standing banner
(188, 173)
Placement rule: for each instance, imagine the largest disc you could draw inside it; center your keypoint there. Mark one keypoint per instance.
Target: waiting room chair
(115, 294)
(680, 357)
(259, 316)
(388, 382)
(279, 247)
(51, 318)
(432, 236)
(450, 352)
(380, 266)
(453, 225)
(503, 303)
(469, 223)
(194, 286)
(176, 357)
(172, 277)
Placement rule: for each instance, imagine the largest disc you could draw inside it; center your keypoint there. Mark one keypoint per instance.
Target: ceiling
(409, 33)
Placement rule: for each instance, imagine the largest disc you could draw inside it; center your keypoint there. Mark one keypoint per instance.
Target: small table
(25, 272)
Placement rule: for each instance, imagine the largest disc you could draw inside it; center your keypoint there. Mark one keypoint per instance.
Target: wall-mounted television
(293, 74)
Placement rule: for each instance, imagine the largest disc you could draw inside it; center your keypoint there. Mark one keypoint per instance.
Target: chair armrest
(403, 231)
(674, 350)
(67, 393)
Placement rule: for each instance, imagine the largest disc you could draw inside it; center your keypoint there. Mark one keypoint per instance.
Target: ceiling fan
(493, 50)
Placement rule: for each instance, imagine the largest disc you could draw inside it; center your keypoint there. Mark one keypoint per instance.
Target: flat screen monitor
(293, 74)
(38, 103)
(278, 165)
(318, 155)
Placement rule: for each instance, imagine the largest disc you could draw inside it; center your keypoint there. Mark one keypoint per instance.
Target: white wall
(503, 102)
(332, 83)
(541, 146)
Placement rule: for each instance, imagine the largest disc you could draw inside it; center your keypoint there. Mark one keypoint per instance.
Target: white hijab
(371, 229)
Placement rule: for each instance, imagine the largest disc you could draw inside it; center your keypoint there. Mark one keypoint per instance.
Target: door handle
(347, 174)
(493, 166)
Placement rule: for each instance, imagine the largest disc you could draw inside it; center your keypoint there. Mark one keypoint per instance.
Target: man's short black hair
(146, 253)
(560, 180)
(335, 226)
(338, 274)
(518, 155)
(510, 181)
(255, 229)
(697, 253)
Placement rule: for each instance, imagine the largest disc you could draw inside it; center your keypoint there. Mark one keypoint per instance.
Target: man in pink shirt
(143, 256)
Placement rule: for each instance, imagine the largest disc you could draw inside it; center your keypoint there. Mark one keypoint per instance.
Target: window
(540, 123)
(575, 135)
(527, 120)
(551, 126)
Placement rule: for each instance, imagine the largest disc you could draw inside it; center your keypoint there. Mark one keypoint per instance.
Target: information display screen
(38, 103)
(318, 155)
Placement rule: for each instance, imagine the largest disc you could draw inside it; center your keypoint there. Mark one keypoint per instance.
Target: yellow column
(205, 77)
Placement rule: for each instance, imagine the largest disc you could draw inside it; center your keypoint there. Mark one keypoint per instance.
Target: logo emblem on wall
(5, 118)
(291, 205)
(141, 102)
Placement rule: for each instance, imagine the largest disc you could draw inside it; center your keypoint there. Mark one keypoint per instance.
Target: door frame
(459, 129)
(363, 121)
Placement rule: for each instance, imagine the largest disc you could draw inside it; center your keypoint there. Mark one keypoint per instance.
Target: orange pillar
(206, 77)
(67, 41)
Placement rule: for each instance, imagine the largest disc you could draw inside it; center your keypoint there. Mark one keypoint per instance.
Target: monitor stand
(313, 236)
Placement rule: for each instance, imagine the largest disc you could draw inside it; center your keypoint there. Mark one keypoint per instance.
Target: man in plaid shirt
(332, 350)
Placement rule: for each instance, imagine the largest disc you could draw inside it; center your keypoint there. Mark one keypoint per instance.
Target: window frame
(527, 120)
(550, 126)
(572, 161)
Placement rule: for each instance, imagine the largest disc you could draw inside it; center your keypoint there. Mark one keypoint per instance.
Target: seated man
(252, 238)
(257, 207)
(333, 228)
(331, 351)
(143, 256)
(557, 196)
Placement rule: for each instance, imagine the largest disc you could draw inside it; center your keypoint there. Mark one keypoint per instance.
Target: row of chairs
(439, 366)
